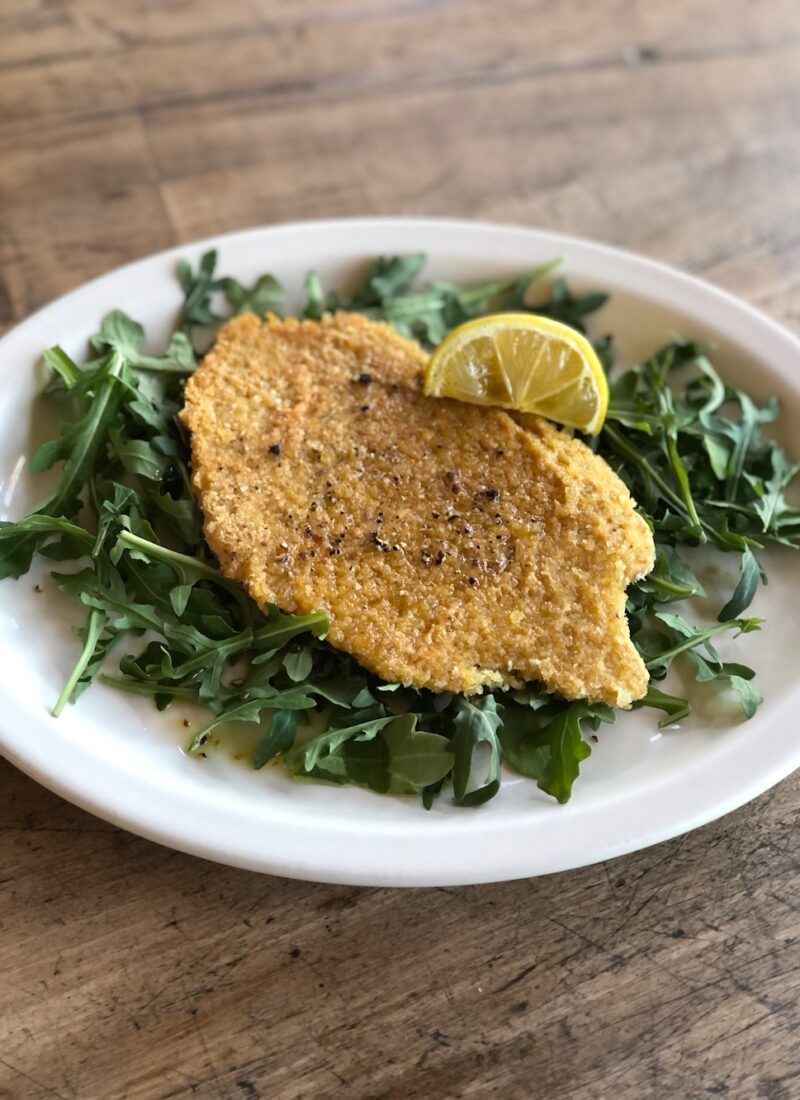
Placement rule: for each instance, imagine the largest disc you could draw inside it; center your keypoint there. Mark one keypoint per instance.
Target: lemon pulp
(524, 362)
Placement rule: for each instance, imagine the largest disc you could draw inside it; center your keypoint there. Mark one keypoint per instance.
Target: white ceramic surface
(114, 755)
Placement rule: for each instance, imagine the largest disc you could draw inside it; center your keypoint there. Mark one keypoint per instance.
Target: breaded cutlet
(452, 547)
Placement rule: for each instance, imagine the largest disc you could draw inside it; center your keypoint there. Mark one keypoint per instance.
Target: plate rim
(374, 871)
(423, 221)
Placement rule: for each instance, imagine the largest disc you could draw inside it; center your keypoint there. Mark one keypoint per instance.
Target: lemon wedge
(524, 362)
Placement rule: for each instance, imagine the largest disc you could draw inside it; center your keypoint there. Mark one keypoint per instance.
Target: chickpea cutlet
(451, 547)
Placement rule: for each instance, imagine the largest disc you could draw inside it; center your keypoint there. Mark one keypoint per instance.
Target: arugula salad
(125, 534)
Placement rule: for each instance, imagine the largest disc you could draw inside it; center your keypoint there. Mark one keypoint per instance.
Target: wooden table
(127, 970)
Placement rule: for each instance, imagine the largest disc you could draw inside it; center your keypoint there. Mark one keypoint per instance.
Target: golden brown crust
(452, 547)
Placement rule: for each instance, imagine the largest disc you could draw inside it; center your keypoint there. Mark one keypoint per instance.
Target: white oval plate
(116, 756)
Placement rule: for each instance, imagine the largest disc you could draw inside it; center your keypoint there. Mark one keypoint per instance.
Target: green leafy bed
(689, 447)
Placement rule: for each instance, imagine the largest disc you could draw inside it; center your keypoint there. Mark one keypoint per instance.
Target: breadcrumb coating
(453, 547)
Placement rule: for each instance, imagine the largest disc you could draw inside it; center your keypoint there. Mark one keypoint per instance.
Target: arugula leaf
(386, 754)
(566, 751)
(298, 664)
(565, 307)
(79, 446)
(690, 638)
(280, 738)
(360, 761)
(736, 676)
(198, 288)
(746, 439)
(476, 721)
(316, 303)
(416, 759)
(251, 710)
(750, 697)
(306, 757)
(387, 279)
(12, 535)
(343, 690)
(122, 334)
(60, 370)
(671, 579)
(750, 575)
(187, 569)
(265, 295)
(675, 709)
(548, 744)
(91, 634)
(770, 504)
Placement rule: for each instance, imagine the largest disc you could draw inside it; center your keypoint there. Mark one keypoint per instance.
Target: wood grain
(130, 971)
